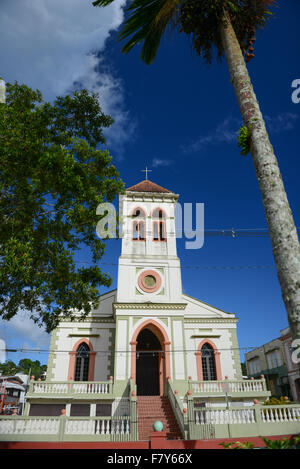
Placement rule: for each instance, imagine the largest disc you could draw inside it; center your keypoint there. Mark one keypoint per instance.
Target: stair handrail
(178, 409)
(133, 410)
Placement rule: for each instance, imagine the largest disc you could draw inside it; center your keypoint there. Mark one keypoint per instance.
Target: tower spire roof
(147, 186)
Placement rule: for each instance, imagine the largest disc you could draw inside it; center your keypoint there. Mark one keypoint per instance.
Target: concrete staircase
(152, 408)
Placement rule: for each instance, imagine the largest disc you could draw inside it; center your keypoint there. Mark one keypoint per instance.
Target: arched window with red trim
(138, 225)
(208, 363)
(158, 225)
(82, 363)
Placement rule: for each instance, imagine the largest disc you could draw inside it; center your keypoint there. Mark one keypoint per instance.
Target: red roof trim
(147, 186)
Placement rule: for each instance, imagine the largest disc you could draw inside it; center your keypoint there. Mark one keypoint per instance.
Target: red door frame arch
(164, 358)
(72, 360)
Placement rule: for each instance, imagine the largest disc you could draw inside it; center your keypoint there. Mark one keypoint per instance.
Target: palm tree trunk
(282, 230)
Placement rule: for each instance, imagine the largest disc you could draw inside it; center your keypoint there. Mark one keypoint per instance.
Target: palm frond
(143, 27)
(148, 20)
(102, 3)
(168, 11)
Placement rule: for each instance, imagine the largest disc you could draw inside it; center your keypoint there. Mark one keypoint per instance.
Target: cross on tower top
(146, 171)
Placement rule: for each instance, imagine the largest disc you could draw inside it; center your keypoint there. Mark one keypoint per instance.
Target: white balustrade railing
(280, 414)
(91, 388)
(43, 387)
(242, 415)
(61, 427)
(97, 426)
(29, 426)
(277, 420)
(69, 387)
(224, 416)
(227, 386)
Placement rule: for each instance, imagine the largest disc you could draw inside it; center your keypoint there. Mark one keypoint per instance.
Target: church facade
(147, 339)
(148, 312)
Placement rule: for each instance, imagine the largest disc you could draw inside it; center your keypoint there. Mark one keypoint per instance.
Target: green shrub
(237, 445)
(283, 443)
(275, 401)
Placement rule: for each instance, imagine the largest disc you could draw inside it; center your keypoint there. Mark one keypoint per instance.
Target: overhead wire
(207, 267)
(116, 352)
(233, 233)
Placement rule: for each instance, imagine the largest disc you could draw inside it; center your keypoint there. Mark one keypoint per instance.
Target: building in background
(11, 390)
(26, 381)
(273, 360)
(293, 371)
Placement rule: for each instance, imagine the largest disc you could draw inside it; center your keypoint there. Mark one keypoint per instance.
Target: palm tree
(230, 27)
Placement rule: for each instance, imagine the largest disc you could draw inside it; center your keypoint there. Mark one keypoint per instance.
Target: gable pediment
(198, 309)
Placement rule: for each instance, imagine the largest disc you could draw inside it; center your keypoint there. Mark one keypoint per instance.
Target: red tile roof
(147, 186)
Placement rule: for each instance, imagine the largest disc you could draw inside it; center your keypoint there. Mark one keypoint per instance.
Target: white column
(177, 346)
(121, 347)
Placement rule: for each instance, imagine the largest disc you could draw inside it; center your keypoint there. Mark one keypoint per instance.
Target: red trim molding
(72, 360)
(217, 359)
(164, 361)
(142, 284)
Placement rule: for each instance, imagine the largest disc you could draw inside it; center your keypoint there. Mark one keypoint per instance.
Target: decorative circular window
(149, 281)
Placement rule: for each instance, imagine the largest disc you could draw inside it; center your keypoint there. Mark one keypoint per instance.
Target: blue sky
(179, 117)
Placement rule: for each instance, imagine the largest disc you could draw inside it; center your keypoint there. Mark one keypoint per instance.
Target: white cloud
(156, 162)
(50, 44)
(281, 123)
(28, 334)
(227, 131)
(111, 96)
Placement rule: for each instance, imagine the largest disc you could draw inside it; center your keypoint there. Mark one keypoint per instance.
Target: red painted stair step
(152, 408)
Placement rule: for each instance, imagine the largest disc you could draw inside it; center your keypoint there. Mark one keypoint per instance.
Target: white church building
(148, 311)
(149, 352)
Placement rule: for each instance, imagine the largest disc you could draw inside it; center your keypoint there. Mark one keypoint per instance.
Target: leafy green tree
(229, 27)
(9, 368)
(53, 175)
(35, 368)
(25, 366)
(244, 369)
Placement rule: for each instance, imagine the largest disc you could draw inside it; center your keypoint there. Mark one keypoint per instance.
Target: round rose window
(149, 281)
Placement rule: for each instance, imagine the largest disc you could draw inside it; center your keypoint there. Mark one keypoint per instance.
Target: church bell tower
(149, 269)
(149, 305)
